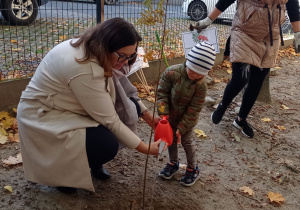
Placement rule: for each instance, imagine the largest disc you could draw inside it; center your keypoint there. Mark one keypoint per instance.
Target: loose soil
(269, 162)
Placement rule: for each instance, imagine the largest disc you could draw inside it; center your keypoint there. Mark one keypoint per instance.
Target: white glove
(297, 42)
(202, 24)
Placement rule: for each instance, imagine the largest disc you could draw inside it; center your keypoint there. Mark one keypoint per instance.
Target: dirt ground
(270, 162)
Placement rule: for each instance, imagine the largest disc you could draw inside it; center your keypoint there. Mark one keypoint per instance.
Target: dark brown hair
(103, 39)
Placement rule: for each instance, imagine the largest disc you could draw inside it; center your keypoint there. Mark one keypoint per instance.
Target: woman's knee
(101, 143)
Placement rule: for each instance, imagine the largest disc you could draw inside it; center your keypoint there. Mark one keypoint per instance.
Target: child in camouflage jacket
(181, 96)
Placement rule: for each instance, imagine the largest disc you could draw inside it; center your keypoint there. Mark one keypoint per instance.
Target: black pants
(101, 146)
(255, 78)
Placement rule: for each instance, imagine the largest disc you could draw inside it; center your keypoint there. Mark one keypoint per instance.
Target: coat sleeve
(96, 101)
(164, 92)
(191, 116)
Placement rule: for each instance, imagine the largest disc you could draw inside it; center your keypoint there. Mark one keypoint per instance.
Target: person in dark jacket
(181, 96)
(254, 43)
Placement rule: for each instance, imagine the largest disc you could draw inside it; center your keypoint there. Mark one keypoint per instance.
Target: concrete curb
(10, 91)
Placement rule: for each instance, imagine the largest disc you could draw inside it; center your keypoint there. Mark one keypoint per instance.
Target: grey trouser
(189, 148)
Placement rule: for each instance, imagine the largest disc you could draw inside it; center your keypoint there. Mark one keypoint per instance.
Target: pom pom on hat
(201, 58)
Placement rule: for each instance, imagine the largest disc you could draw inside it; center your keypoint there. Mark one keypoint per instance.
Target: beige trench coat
(62, 99)
(250, 35)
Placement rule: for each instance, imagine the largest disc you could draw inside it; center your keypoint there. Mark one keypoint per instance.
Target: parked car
(109, 2)
(199, 9)
(20, 12)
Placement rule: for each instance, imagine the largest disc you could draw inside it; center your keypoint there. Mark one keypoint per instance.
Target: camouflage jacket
(180, 97)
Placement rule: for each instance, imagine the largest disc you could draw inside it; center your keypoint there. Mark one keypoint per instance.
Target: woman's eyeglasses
(123, 58)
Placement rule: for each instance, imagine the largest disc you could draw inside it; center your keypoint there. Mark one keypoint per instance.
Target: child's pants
(189, 148)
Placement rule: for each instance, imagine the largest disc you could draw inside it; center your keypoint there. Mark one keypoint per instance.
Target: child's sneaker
(244, 127)
(190, 177)
(217, 115)
(169, 170)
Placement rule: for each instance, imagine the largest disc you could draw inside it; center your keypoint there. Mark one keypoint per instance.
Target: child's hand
(178, 135)
(161, 116)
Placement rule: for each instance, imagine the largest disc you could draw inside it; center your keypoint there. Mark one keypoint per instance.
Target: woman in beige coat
(68, 125)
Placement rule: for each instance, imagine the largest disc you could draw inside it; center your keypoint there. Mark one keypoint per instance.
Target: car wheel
(197, 10)
(109, 2)
(20, 12)
(286, 26)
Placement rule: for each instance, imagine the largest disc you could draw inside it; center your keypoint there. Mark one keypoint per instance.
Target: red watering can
(164, 132)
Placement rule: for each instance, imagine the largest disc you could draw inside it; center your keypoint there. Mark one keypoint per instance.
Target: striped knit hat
(201, 58)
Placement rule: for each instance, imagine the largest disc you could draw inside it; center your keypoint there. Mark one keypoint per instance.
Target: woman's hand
(148, 116)
(154, 147)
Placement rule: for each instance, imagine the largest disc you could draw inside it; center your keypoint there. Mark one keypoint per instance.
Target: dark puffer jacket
(180, 97)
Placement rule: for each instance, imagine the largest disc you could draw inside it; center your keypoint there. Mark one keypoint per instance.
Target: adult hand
(202, 24)
(154, 147)
(148, 118)
(297, 42)
(178, 135)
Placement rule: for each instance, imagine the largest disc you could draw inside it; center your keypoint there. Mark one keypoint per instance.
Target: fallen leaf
(266, 119)
(276, 197)
(183, 166)
(236, 137)
(200, 133)
(3, 139)
(13, 160)
(280, 127)
(161, 108)
(63, 37)
(13, 137)
(284, 107)
(2, 132)
(246, 189)
(8, 188)
(4, 115)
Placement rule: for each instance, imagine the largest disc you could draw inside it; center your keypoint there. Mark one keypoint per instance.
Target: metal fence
(22, 47)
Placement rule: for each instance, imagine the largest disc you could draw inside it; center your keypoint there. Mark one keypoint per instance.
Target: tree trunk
(264, 94)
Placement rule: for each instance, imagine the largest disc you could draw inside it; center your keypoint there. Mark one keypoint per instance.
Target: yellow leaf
(13, 160)
(4, 115)
(13, 41)
(62, 37)
(162, 108)
(266, 119)
(9, 188)
(280, 127)
(3, 138)
(3, 132)
(16, 49)
(284, 107)
(276, 197)
(7, 123)
(229, 71)
(246, 189)
(200, 133)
